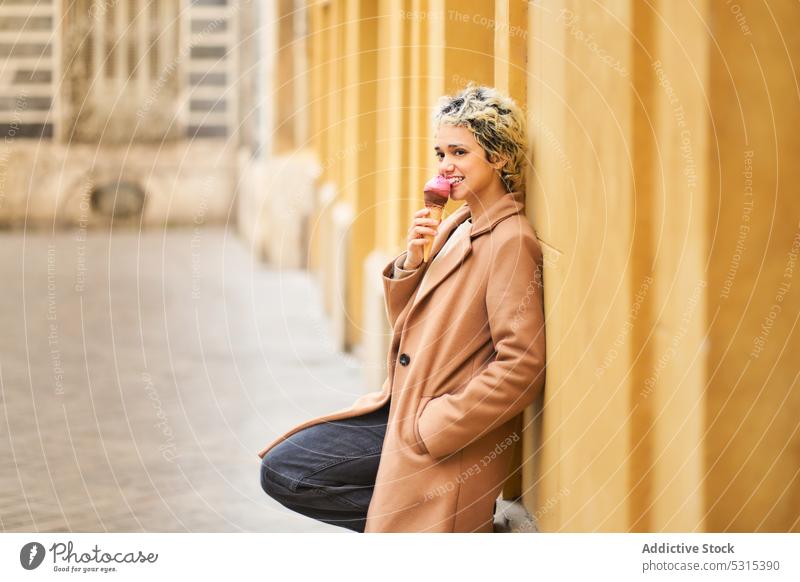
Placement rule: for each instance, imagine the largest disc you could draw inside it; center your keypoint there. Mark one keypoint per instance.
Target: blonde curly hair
(496, 122)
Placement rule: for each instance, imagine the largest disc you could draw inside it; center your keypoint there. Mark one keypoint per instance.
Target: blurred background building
(663, 188)
(120, 106)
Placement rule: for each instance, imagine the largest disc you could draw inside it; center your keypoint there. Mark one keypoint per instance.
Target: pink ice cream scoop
(437, 191)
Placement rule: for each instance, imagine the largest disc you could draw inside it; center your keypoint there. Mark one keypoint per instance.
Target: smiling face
(462, 158)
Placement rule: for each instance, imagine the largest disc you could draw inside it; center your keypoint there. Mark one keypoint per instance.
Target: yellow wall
(670, 384)
(752, 443)
(285, 104)
(358, 153)
(656, 417)
(583, 201)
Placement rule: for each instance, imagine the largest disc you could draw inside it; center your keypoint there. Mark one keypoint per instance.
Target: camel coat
(467, 356)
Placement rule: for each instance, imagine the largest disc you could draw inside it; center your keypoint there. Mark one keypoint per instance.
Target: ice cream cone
(436, 214)
(436, 192)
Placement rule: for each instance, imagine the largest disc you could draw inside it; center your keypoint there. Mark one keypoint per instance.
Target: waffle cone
(436, 214)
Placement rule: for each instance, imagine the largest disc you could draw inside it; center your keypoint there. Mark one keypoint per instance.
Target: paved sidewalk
(140, 374)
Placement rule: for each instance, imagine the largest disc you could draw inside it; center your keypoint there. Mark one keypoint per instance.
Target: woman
(431, 450)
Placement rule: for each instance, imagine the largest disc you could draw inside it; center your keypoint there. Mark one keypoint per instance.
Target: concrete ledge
(512, 517)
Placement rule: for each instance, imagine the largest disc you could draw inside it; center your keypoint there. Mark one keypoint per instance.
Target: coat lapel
(442, 267)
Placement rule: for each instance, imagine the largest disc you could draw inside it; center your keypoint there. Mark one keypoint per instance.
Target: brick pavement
(141, 372)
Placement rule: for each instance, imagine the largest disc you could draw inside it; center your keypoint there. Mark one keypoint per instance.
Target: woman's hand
(421, 227)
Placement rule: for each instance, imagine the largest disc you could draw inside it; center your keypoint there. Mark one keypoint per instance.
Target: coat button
(404, 360)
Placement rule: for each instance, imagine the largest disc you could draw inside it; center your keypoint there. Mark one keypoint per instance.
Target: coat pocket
(419, 444)
(436, 389)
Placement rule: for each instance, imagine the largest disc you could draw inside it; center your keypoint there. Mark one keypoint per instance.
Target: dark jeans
(327, 471)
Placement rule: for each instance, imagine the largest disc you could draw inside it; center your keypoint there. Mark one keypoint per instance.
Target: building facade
(123, 111)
